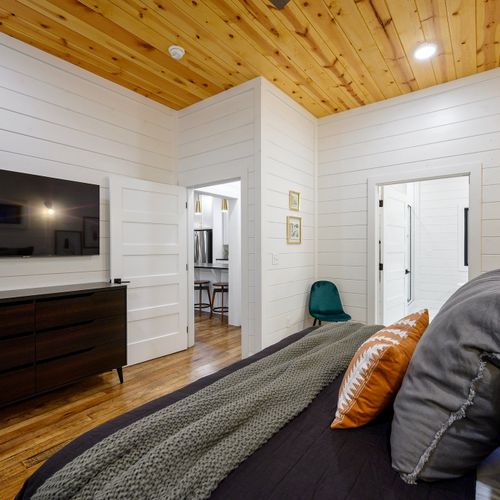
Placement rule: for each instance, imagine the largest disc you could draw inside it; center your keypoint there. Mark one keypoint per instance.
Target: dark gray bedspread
(305, 460)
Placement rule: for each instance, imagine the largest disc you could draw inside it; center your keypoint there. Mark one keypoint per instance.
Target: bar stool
(200, 286)
(221, 287)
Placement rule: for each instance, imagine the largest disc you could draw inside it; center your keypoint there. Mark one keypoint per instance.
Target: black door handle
(407, 271)
(119, 281)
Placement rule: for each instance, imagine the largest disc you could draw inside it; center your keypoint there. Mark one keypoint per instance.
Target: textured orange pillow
(376, 372)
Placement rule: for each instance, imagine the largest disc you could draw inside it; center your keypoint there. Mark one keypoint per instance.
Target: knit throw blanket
(186, 449)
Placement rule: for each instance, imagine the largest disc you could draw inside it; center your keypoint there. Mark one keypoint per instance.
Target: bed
(304, 460)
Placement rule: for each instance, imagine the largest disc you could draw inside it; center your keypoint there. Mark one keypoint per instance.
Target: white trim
(473, 171)
(190, 264)
(256, 343)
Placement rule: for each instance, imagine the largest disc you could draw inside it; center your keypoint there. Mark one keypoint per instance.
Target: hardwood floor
(32, 431)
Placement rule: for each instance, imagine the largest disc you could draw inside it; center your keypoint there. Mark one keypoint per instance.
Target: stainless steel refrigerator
(202, 246)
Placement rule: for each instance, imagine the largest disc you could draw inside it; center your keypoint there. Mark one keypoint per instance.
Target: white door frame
(473, 171)
(223, 178)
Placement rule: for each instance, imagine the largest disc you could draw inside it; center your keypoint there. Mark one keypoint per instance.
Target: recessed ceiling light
(176, 52)
(425, 51)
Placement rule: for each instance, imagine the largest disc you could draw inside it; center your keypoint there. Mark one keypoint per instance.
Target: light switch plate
(276, 259)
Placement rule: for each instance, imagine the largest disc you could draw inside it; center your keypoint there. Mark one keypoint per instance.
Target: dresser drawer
(55, 373)
(54, 343)
(17, 385)
(17, 352)
(76, 309)
(16, 318)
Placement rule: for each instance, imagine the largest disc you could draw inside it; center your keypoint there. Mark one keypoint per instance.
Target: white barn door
(149, 249)
(393, 254)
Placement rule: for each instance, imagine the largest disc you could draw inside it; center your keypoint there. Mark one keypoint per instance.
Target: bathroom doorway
(423, 254)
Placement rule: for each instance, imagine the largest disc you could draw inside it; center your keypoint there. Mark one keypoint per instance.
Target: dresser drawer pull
(15, 368)
(67, 355)
(67, 297)
(16, 335)
(69, 328)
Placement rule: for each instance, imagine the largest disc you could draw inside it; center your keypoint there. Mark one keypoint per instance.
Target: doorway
(422, 172)
(217, 270)
(423, 254)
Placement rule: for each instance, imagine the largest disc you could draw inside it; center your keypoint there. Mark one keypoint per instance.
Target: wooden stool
(221, 287)
(200, 286)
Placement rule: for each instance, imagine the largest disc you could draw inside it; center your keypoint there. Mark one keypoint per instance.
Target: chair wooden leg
(212, 300)
(315, 319)
(319, 322)
(222, 307)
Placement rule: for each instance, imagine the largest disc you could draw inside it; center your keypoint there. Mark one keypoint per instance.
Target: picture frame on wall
(294, 200)
(294, 230)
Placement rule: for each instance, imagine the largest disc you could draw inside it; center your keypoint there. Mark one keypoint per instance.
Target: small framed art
(294, 200)
(294, 230)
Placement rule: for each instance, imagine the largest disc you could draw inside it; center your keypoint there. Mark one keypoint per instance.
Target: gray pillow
(447, 412)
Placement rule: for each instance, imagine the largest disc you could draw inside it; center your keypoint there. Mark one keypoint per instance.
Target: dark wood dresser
(50, 337)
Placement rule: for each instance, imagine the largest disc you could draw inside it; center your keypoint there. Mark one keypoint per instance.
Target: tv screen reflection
(42, 216)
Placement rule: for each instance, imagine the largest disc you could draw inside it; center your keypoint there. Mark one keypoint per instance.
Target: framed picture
(294, 230)
(294, 200)
(68, 243)
(91, 232)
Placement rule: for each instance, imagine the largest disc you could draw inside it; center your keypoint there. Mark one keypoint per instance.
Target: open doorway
(217, 249)
(423, 245)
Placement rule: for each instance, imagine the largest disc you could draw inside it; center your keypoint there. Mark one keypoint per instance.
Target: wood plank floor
(32, 431)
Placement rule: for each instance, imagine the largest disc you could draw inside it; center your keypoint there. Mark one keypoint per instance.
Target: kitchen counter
(215, 265)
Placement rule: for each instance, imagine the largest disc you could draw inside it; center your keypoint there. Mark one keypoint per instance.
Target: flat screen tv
(42, 216)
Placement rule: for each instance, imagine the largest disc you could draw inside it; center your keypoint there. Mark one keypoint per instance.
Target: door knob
(119, 281)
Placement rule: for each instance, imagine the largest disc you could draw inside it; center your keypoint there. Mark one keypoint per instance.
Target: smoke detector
(176, 52)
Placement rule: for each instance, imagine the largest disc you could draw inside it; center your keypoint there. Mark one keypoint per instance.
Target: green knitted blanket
(185, 450)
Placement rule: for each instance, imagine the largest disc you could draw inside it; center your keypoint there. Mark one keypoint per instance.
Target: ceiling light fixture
(176, 52)
(425, 51)
(197, 205)
(224, 206)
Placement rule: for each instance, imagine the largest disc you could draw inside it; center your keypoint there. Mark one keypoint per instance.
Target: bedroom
(242, 104)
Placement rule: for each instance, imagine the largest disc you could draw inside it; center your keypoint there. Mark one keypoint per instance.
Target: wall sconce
(50, 208)
(224, 206)
(197, 205)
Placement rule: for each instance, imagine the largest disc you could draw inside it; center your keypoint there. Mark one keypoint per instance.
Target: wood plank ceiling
(327, 55)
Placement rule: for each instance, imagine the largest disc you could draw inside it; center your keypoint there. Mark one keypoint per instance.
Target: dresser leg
(120, 374)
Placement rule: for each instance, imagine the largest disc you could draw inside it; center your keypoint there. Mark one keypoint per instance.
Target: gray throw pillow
(447, 412)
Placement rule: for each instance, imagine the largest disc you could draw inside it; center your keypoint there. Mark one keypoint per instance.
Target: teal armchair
(325, 303)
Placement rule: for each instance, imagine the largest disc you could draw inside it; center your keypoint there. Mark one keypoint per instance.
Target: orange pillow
(375, 373)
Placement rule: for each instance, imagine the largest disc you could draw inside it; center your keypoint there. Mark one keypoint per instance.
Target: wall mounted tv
(41, 216)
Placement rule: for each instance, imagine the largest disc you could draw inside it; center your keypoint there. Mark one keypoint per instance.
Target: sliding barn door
(149, 249)
(393, 254)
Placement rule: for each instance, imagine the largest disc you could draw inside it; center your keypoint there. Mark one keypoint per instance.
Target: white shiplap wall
(218, 141)
(61, 121)
(454, 123)
(287, 163)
